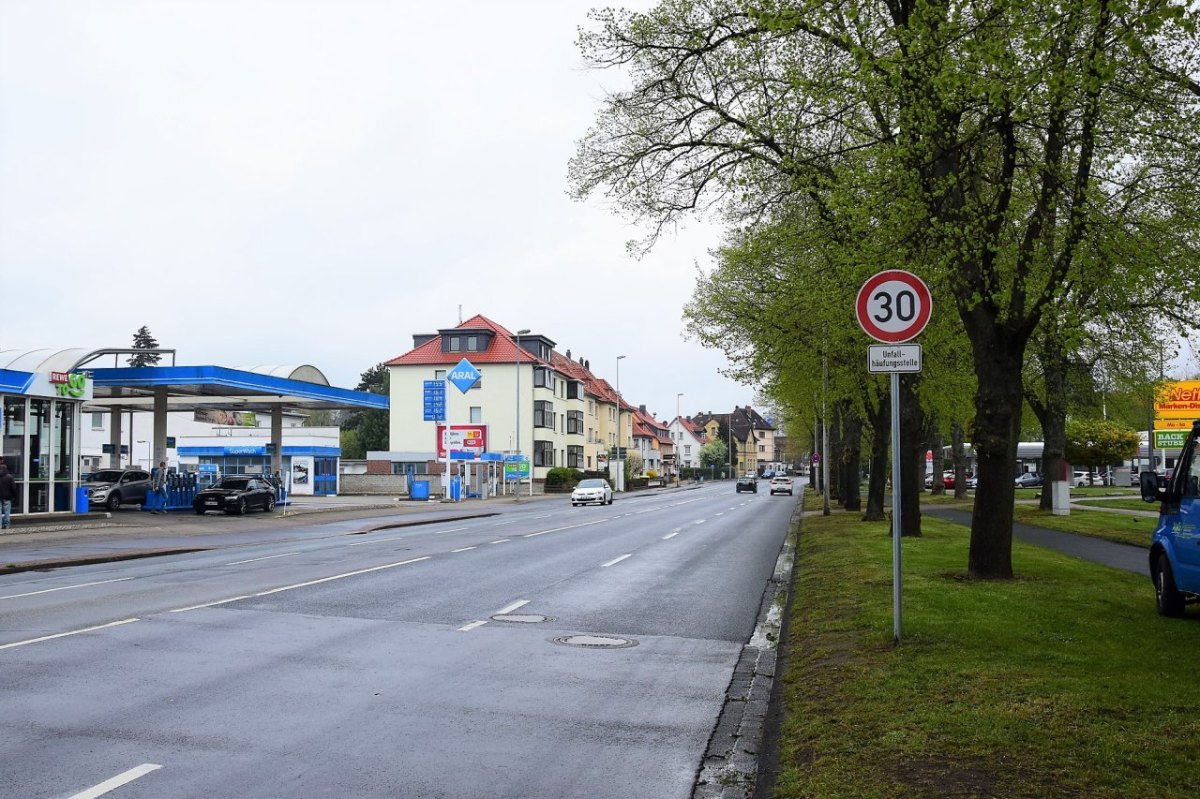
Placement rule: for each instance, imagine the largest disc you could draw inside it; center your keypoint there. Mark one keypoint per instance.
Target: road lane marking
(466, 628)
(568, 527)
(501, 524)
(700, 521)
(722, 513)
(670, 535)
(510, 608)
(340, 576)
(544, 516)
(402, 537)
(501, 541)
(117, 781)
(266, 557)
(615, 561)
(464, 549)
(65, 588)
(209, 604)
(70, 632)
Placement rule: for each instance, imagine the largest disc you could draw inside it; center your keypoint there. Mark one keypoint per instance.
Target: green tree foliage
(1099, 442)
(369, 429)
(633, 464)
(143, 340)
(714, 453)
(1016, 155)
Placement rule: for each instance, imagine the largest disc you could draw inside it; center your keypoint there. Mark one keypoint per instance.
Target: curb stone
(729, 768)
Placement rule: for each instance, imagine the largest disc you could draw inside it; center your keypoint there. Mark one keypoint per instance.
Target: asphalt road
(470, 658)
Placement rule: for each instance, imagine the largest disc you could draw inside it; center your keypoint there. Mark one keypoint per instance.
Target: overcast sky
(283, 182)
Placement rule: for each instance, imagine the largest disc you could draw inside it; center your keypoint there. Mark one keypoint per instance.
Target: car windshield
(107, 476)
(591, 484)
(234, 483)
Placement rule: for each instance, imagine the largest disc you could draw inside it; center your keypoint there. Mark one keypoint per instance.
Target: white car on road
(781, 484)
(595, 489)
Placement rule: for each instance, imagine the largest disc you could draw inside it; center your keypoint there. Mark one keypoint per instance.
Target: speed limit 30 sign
(893, 306)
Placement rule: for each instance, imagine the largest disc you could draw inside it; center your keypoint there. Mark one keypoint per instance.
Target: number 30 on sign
(893, 306)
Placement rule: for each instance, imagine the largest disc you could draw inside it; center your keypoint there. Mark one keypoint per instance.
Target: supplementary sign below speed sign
(893, 306)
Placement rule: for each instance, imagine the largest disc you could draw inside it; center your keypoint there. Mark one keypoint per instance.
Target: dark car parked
(112, 488)
(236, 494)
(1029, 480)
(747, 484)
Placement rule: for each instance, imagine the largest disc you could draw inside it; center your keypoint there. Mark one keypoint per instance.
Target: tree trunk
(997, 428)
(879, 417)
(1051, 411)
(835, 452)
(936, 462)
(912, 452)
(958, 454)
(852, 469)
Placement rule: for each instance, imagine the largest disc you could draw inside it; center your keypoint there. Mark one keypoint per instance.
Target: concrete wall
(384, 484)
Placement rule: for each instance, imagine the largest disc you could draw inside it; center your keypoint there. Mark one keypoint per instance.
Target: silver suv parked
(113, 488)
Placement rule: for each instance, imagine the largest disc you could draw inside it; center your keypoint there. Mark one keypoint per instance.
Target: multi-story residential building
(688, 438)
(529, 399)
(747, 435)
(653, 442)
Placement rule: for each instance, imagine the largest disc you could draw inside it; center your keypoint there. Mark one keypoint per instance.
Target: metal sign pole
(895, 507)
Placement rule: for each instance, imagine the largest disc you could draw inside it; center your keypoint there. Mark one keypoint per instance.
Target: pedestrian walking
(158, 487)
(8, 492)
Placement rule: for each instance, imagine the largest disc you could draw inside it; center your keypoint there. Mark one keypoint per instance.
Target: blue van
(1175, 548)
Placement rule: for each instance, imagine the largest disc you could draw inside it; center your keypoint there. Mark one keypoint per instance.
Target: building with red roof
(529, 399)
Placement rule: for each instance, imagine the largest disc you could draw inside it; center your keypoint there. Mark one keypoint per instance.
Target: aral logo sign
(70, 384)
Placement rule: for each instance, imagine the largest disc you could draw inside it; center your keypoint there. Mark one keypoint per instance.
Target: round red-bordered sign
(893, 306)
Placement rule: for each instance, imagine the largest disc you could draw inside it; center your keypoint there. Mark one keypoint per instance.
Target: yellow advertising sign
(1173, 424)
(1178, 400)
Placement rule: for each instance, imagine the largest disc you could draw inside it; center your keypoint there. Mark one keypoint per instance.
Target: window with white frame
(575, 457)
(543, 414)
(543, 453)
(476, 414)
(97, 421)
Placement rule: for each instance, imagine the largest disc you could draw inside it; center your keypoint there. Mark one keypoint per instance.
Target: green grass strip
(1119, 527)
(1060, 683)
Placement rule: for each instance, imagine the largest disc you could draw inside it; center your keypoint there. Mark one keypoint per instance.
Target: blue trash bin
(81, 500)
(419, 490)
(456, 488)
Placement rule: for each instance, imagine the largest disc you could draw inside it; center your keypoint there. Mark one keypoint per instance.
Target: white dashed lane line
(117, 781)
(264, 557)
(461, 549)
(501, 541)
(615, 561)
(304, 584)
(669, 536)
(65, 588)
(520, 603)
(71, 632)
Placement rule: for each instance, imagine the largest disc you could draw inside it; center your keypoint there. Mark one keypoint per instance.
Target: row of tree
(1034, 161)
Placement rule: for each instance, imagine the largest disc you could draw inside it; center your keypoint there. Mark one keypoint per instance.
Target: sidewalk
(1097, 550)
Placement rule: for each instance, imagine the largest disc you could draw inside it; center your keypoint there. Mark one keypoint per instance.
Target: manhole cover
(522, 618)
(595, 641)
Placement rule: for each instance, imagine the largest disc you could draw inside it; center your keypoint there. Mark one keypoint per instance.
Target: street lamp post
(517, 441)
(620, 460)
(679, 443)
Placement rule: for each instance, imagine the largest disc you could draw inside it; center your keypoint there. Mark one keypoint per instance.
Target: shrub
(561, 478)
